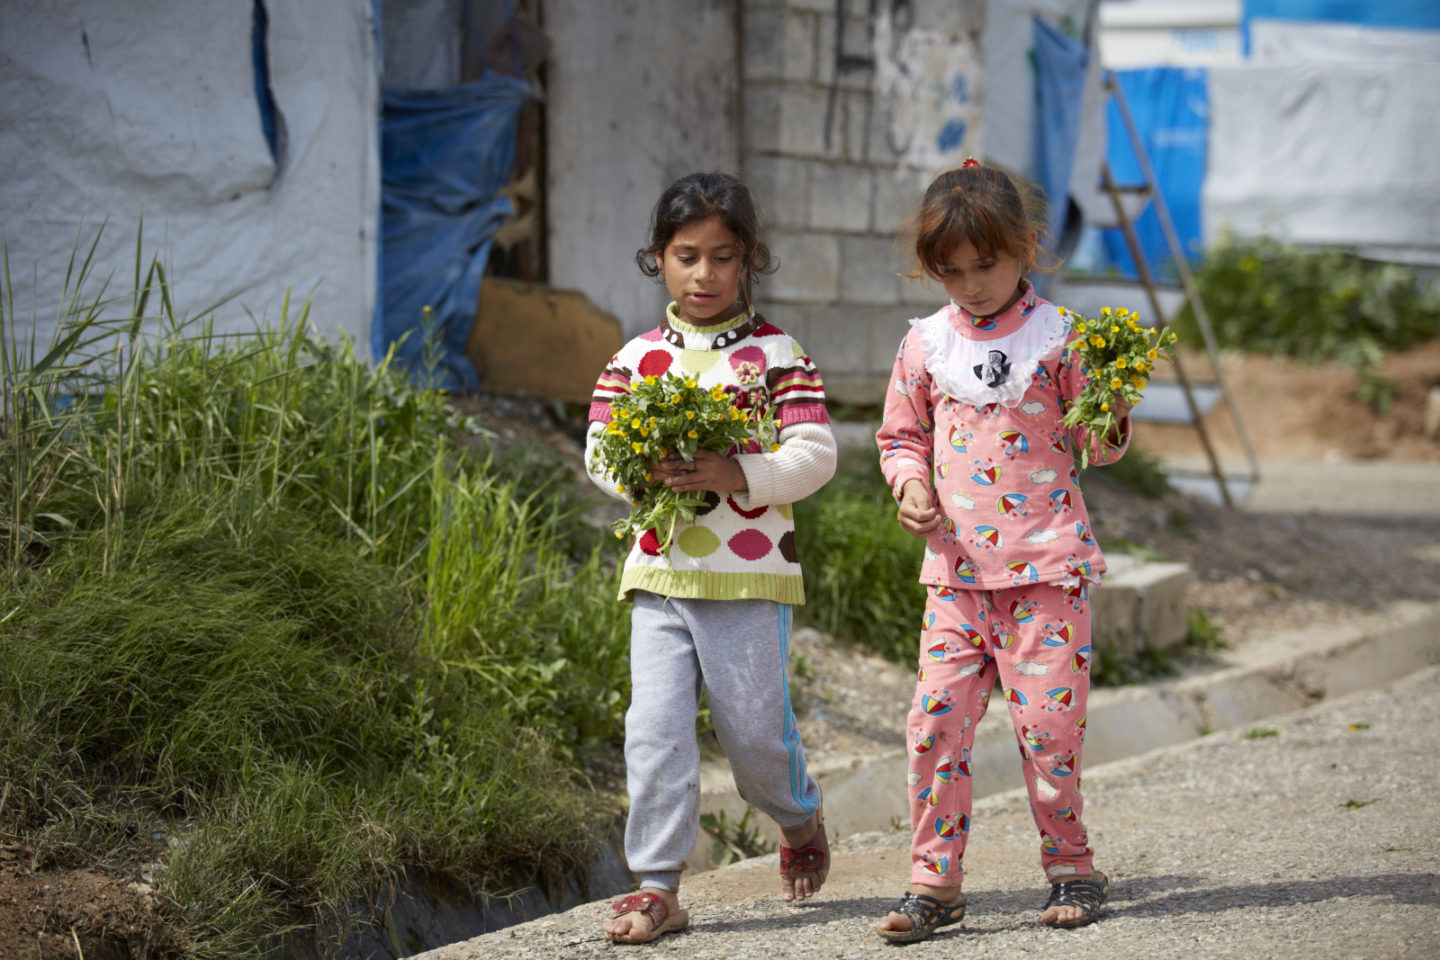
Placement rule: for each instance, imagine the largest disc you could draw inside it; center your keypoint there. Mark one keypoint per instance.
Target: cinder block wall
(845, 119)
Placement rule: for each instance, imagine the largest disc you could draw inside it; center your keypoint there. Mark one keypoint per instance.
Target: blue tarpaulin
(1170, 106)
(1060, 64)
(1391, 14)
(445, 155)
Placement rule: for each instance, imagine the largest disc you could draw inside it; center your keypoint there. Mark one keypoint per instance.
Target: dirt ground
(1252, 573)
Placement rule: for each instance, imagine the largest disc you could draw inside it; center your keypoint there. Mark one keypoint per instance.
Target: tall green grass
(276, 620)
(860, 566)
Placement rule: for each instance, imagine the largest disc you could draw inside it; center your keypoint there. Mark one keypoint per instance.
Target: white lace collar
(999, 371)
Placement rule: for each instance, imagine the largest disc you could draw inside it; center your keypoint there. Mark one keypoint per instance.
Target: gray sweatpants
(738, 649)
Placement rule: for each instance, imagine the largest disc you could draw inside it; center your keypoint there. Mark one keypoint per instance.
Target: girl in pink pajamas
(974, 451)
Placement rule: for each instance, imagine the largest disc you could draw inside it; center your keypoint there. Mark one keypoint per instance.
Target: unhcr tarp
(152, 108)
(1327, 153)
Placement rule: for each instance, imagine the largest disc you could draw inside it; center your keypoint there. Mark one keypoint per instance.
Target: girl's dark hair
(700, 196)
(992, 209)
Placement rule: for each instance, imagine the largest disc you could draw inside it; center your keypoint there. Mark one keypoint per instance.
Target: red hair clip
(970, 162)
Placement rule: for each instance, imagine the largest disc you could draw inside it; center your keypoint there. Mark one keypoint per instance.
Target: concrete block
(802, 118)
(923, 295)
(760, 133)
(839, 196)
(842, 340)
(857, 42)
(781, 188)
(868, 270)
(532, 340)
(955, 17)
(809, 267)
(778, 45)
(1139, 604)
(898, 192)
(1430, 420)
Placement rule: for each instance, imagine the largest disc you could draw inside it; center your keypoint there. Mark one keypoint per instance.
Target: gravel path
(1307, 836)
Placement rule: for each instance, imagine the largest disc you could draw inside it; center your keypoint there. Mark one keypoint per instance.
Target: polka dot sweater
(742, 544)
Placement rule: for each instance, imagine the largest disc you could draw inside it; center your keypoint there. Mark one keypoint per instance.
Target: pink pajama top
(973, 409)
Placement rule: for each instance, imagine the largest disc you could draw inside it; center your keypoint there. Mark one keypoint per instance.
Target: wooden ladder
(1148, 192)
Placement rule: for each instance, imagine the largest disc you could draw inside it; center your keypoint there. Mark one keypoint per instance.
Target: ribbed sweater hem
(710, 585)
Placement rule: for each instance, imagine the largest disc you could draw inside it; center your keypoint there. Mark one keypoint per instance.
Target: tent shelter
(243, 135)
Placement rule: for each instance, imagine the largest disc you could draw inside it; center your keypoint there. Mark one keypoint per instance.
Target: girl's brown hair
(995, 211)
(700, 196)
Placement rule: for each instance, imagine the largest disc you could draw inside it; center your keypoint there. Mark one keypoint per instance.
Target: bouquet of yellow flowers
(1117, 354)
(663, 417)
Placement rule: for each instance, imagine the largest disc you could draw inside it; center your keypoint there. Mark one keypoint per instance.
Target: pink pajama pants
(1037, 641)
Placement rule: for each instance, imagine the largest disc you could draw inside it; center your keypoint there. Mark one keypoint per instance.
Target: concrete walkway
(1303, 833)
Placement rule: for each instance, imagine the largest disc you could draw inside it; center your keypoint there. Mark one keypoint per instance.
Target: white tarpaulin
(1335, 153)
(149, 108)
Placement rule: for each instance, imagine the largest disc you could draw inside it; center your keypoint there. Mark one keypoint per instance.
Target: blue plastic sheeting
(1402, 14)
(445, 155)
(1060, 63)
(1171, 108)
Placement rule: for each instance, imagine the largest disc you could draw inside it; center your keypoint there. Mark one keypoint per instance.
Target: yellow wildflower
(637, 447)
(620, 488)
(1105, 407)
(648, 478)
(619, 534)
(1114, 328)
(1116, 383)
(650, 381)
(693, 435)
(1062, 311)
(1097, 341)
(774, 447)
(1153, 354)
(690, 383)
(1104, 311)
(1139, 382)
(689, 414)
(1120, 362)
(644, 431)
(1080, 327)
(635, 424)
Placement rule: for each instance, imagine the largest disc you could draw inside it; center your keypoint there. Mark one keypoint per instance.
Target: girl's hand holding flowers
(1118, 356)
(668, 443)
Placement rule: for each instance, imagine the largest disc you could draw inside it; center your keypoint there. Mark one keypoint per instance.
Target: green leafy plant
(860, 567)
(734, 841)
(669, 416)
(280, 607)
(1266, 296)
(1202, 634)
(1261, 733)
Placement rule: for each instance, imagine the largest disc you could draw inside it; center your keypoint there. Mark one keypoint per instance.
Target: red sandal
(814, 857)
(656, 910)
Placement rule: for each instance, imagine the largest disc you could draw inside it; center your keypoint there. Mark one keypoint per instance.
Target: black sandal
(926, 914)
(1087, 893)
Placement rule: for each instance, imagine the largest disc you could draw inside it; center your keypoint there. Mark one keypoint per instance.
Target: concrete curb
(1284, 673)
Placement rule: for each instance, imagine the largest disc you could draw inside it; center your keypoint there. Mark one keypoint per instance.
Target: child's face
(701, 267)
(982, 285)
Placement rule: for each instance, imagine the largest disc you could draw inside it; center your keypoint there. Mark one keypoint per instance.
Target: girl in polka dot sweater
(715, 609)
